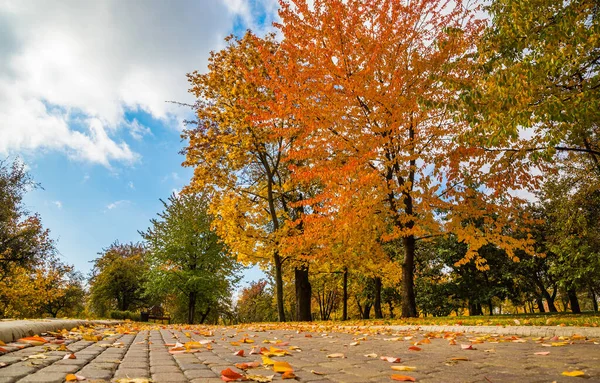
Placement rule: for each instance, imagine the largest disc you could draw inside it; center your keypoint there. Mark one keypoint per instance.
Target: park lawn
(590, 319)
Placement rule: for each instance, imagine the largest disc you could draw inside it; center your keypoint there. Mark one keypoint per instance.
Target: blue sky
(83, 87)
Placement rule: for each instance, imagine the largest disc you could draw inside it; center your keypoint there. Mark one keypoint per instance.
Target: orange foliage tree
(374, 86)
(239, 156)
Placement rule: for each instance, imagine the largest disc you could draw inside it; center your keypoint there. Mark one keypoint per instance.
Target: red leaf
(229, 375)
(239, 353)
(414, 348)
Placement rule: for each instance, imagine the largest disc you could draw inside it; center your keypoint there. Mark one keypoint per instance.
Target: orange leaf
(403, 378)
(288, 375)
(239, 353)
(247, 366)
(33, 340)
(282, 367)
(71, 378)
(229, 375)
(414, 348)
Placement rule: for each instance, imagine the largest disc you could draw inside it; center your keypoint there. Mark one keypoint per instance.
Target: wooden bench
(155, 313)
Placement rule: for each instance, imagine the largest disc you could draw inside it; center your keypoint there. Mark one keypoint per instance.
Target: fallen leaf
(282, 367)
(414, 348)
(460, 358)
(37, 356)
(403, 368)
(260, 378)
(288, 375)
(467, 347)
(426, 341)
(267, 361)
(317, 372)
(133, 380)
(247, 366)
(228, 375)
(390, 359)
(74, 378)
(354, 344)
(33, 340)
(371, 355)
(336, 355)
(573, 373)
(239, 353)
(70, 356)
(542, 353)
(403, 378)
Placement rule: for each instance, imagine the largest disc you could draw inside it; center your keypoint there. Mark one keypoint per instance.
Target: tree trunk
(279, 286)
(367, 312)
(409, 304)
(540, 304)
(191, 307)
(204, 315)
(303, 294)
(490, 307)
(573, 301)
(549, 300)
(377, 305)
(345, 296)
(391, 306)
(594, 300)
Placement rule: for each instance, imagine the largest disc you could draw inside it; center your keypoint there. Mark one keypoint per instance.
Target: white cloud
(131, 185)
(58, 204)
(70, 70)
(116, 204)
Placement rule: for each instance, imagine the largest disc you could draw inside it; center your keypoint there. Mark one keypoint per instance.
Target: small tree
(117, 280)
(187, 259)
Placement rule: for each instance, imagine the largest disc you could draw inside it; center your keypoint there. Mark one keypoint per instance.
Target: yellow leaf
(71, 378)
(573, 373)
(403, 368)
(282, 367)
(267, 361)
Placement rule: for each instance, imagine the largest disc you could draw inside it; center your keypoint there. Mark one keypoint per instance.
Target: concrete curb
(536, 331)
(15, 329)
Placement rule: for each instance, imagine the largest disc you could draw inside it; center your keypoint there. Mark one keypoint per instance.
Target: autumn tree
(117, 278)
(255, 303)
(23, 239)
(240, 156)
(537, 94)
(375, 87)
(186, 258)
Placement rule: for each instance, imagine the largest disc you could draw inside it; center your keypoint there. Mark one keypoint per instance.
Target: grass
(590, 319)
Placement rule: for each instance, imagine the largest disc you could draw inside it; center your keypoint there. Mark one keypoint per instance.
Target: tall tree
(186, 257)
(238, 152)
(23, 240)
(374, 85)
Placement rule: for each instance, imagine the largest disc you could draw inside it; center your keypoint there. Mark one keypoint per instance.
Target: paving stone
(193, 374)
(169, 377)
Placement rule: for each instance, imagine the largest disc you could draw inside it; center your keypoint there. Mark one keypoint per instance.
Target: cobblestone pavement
(200, 354)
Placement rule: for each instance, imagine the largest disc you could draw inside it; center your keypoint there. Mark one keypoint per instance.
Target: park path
(200, 354)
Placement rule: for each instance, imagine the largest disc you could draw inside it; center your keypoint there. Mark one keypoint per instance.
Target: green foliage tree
(539, 72)
(118, 278)
(187, 259)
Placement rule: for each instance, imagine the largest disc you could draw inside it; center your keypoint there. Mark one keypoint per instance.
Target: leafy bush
(116, 314)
